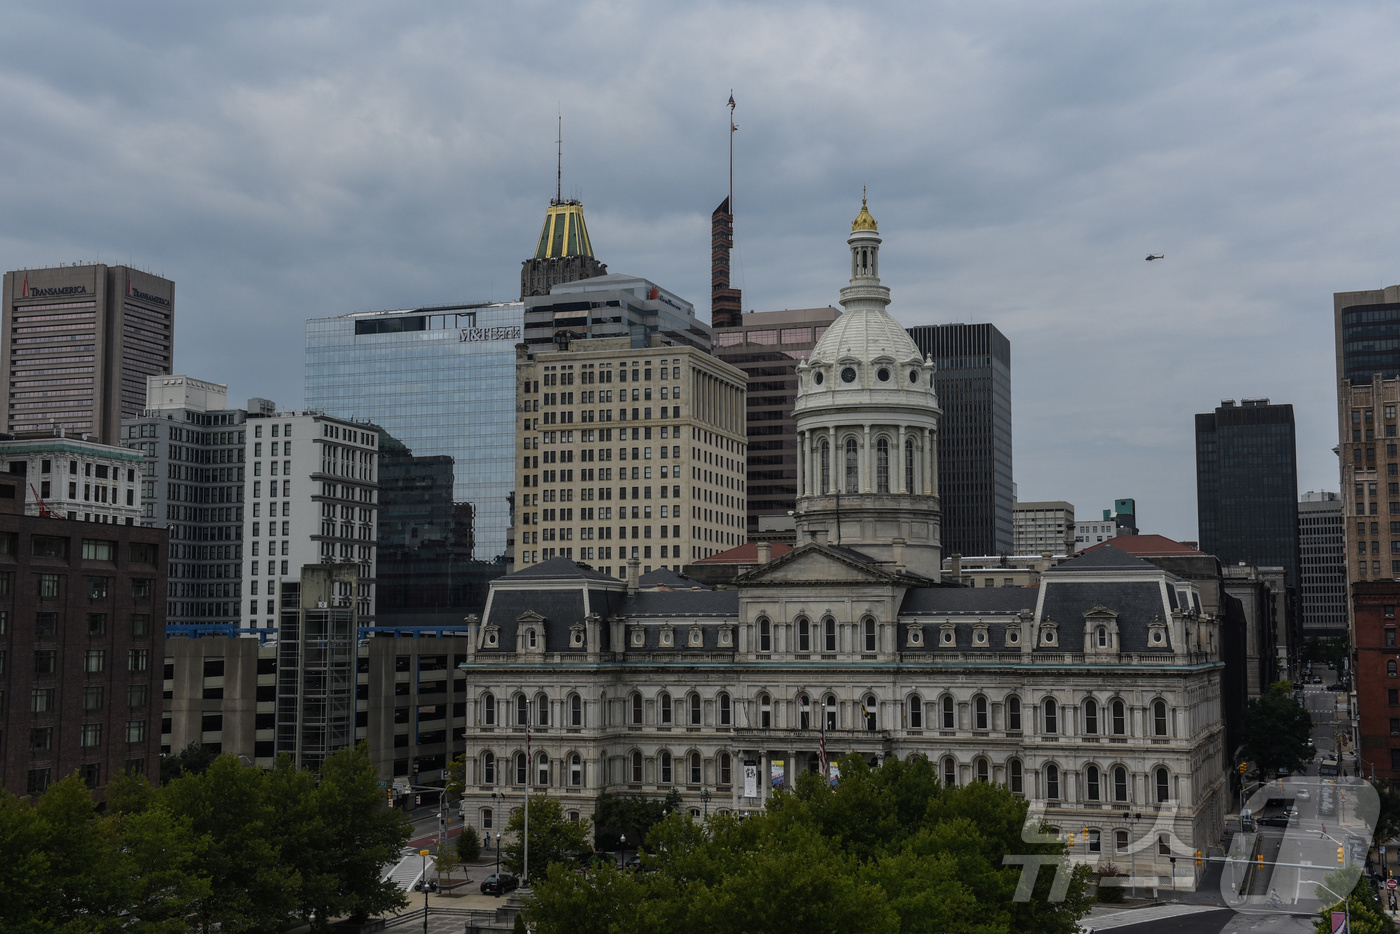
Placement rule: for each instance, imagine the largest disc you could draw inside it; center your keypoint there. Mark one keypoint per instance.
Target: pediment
(818, 563)
(529, 616)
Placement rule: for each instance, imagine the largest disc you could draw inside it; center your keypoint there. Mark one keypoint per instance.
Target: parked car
(633, 862)
(499, 884)
(1273, 820)
(1317, 679)
(1302, 794)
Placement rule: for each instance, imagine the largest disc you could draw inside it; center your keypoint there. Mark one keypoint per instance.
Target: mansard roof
(945, 601)
(1102, 558)
(558, 569)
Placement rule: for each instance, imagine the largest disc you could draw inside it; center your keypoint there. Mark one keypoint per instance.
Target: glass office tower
(442, 381)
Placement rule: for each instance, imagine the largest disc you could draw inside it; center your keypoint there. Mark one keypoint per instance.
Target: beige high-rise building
(627, 452)
(78, 344)
(1370, 478)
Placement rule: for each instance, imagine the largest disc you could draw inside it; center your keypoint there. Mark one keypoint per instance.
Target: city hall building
(1096, 695)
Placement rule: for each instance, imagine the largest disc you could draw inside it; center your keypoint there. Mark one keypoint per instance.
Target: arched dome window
(882, 465)
(825, 467)
(909, 466)
(852, 466)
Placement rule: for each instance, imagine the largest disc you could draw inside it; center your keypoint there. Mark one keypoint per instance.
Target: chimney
(955, 566)
(765, 552)
(632, 575)
(726, 304)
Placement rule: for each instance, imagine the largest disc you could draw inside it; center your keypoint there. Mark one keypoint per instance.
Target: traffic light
(1071, 838)
(1341, 856)
(1198, 857)
(1242, 767)
(1261, 862)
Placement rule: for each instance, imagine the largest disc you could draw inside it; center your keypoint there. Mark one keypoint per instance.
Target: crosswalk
(407, 871)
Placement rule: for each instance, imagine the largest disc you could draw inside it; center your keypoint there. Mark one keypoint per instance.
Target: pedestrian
(486, 843)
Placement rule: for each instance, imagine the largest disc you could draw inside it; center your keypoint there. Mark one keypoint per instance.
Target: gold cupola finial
(863, 220)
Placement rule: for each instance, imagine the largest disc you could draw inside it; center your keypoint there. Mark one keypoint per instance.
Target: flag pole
(529, 768)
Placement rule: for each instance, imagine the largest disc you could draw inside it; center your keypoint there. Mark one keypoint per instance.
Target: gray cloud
(281, 162)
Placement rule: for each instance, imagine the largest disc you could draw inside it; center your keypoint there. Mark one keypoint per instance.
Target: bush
(468, 845)
(1111, 894)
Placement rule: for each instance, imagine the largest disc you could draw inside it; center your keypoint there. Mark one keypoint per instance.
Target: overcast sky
(281, 161)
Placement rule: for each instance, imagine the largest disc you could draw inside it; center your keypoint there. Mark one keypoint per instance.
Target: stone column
(867, 484)
(930, 476)
(898, 459)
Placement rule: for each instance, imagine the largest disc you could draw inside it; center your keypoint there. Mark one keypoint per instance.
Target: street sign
(1390, 884)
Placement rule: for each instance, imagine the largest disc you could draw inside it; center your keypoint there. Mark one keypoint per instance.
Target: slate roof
(1102, 558)
(1137, 603)
(561, 608)
(1155, 545)
(937, 601)
(558, 569)
(665, 577)
(676, 604)
(746, 553)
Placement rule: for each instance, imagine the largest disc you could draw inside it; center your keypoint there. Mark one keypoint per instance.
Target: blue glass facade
(442, 381)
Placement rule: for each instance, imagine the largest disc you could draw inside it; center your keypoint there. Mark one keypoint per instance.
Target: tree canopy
(1276, 730)
(553, 837)
(231, 848)
(888, 850)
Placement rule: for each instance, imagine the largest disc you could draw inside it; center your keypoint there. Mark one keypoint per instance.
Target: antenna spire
(732, 128)
(559, 169)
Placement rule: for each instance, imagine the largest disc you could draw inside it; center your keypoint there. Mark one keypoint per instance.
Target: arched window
(765, 711)
(665, 760)
(1052, 716)
(947, 712)
(522, 769)
(542, 702)
(543, 770)
(694, 710)
(488, 709)
(1120, 783)
(695, 768)
(868, 633)
(829, 711)
(1052, 782)
(575, 710)
(1390, 668)
(532, 638)
(804, 635)
(829, 634)
(1162, 781)
(726, 769)
(576, 770)
(522, 710)
(1159, 718)
(636, 709)
(826, 467)
(636, 768)
(979, 712)
(1013, 713)
(882, 465)
(1091, 783)
(487, 818)
(765, 635)
(1015, 777)
(725, 717)
(663, 706)
(804, 712)
(1091, 717)
(1120, 718)
(852, 466)
(909, 467)
(869, 709)
(916, 712)
(488, 769)
(950, 771)
(982, 769)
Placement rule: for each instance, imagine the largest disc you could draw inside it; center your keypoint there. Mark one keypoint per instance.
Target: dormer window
(697, 636)
(639, 637)
(883, 374)
(914, 377)
(531, 639)
(819, 377)
(1103, 637)
(848, 374)
(1049, 637)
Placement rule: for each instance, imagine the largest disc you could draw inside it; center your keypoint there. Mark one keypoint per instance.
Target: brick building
(1377, 680)
(82, 635)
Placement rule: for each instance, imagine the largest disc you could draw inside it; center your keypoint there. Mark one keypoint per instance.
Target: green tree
(468, 845)
(1275, 731)
(1367, 914)
(359, 835)
(1388, 821)
(553, 837)
(24, 870)
(632, 816)
(194, 759)
(604, 901)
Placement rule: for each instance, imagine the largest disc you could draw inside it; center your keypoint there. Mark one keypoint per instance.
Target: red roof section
(1143, 546)
(745, 554)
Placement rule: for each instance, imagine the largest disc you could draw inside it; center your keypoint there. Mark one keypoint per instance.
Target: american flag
(821, 753)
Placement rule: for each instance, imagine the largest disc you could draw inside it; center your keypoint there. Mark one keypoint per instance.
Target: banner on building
(750, 779)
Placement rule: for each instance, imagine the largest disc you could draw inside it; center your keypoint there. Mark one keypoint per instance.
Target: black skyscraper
(1247, 485)
(974, 440)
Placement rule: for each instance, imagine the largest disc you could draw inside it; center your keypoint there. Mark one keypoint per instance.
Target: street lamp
(424, 853)
(498, 859)
(705, 800)
(1132, 819)
(1346, 903)
(622, 859)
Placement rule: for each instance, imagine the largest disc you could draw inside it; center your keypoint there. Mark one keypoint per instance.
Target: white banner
(750, 779)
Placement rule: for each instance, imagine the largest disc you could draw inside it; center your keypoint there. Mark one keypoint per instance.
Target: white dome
(865, 335)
